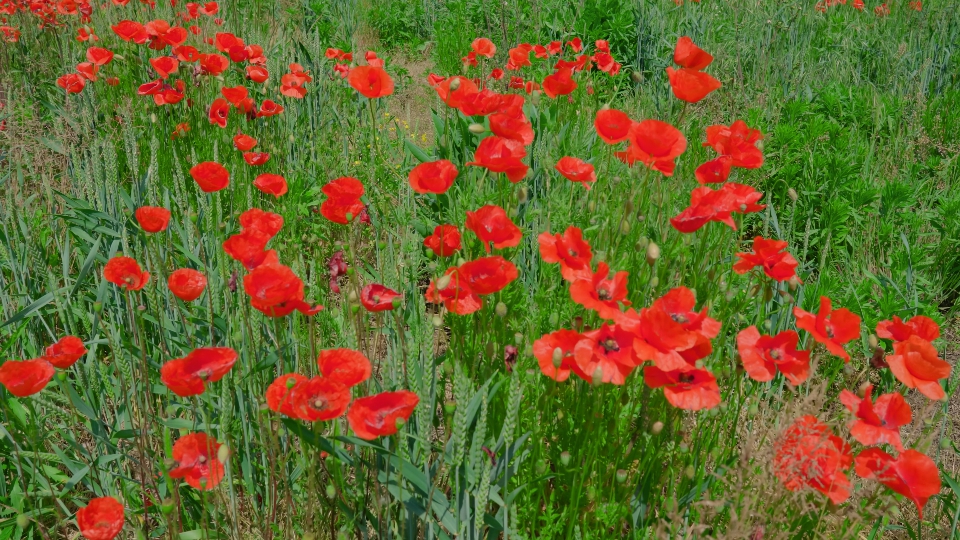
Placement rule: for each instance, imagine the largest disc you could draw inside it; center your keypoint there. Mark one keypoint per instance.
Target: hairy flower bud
(476, 129)
(656, 428)
(653, 253)
(792, 193)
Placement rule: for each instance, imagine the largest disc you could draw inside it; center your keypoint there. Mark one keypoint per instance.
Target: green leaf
(30, 310)
(416, 151)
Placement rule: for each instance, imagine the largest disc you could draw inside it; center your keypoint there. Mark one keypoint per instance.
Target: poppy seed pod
(656, 428)
(621, 476)
(565, 458)
(166, 507)
(535, 98)
(450, 407)
(61, 376)
(653, 253)
(477, 129)
(399, 423)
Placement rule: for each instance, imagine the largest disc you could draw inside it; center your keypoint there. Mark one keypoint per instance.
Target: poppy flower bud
(625, 228)
(873, 341)
(945, 444)
(578, 323)
(600, 256)
(331, 491)
(223, 453)
(654, 281)
(455, 84)
(460, 262)
(689, 472)
(792, 193)
(141, 307)
(684, 448)
(541, 467)
(153, 118)
(636, 76)
(23, 521)
(381, 245)
(437, 321)
(653, 253)
(535, 98)
(560, 415)
(476, 129)
(501, 309)
(490, 348)
(523, 195)
(513, 212)
(354, 308)
(349, 217)
(627, 206)
(621, 476)
(754, 409)
(730, 295)
(565, 458)
(97, 307)
(656, 428)
(597, 376)
(557, 357)
(203, 483)
(605, 107)
(642, 243)
(443, 282)
(767, 293)
(518, 338)
(591, 493)
(554, 319)
(767, 324)
(395, 302)
(592, 206)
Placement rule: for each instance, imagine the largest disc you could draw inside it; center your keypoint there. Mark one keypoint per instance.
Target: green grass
(860, 117)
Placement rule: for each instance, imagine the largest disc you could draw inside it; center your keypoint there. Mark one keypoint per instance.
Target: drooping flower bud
(653, 253)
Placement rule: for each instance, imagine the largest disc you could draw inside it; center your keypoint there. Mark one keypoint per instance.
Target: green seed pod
(449, 406)
(565, 458)
(331, 491)
(400, 422)
(61, 376)
(382, 245)
(621, 476)
(166, 507)
(541, 467)
(395, 302)
(23, 521)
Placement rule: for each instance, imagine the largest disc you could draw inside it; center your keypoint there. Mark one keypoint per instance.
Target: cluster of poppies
(27, 377)
(881, 10)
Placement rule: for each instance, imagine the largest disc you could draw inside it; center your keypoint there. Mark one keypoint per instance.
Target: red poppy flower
(689, 390)
(454, 293)
(715, 171)
(433, 176)
(188, 376)
(130, 31)
(688, 55)
(911, 474)
(916, 363)
(164, 65)
(257, 74)
(482, 103)
(690, 85)
(605, 355)
(100, 519)
(540, 51)
(491, 224)
(210, 176)
(831, 328)
(219, 111)
(266, 222)
(125, 273)
(601, 294)
(763, 356)
(319, 399)
(739, 142)
(576, 44)
(371, 82)
(488, 275)
(72, 83)
(769, 255)
(235, 94)
(197, 461)
(445, 240)
(377, 416)
(186, 53)
(269, 108)
(187, 284)
(656, 144)
(719, 205)
(560, 83)
(570, 250)
(152, 219)
(272, 184)
(248, 247)
(520, 56)
(670, 333)
(606, 63)
(484, 47)
(878, 422)
(456, 99)
(275, 290)
(899, 330)
(376, 297)
(343, 198)
(612, 126)
(65, 352)
(88, 70)
(808, 454)
(244, 142)
(278, 393)
(546, 352)
(25, 378)
(501, 155)
(213, 64)
(576, 170)
(99, 56)
(256, 159)
(513, 126)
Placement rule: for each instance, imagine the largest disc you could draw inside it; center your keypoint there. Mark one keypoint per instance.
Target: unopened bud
(656, 428)
(455, 84)
(689, 472)
(477, 129)
(654, 281)
(61, 376)
(624, 227)
(873, 341)
(598, 376)
(541, 467)
(636, 76)
(354, 308)
(754, 409)
(535, 98)
(518, 338)
(501, 309)
(621, 476)
(592, 206)
(565, 458)
(557, 357)
(353, 296)
(792, 193)
(349, 217)
(437, 321)
(395, 302)
(382, 245)
(443, 282)
(223, 453)
(23, 521)
(167, 506)
(153, 118)
(554, 320)
(523, 195)
(605, 107)
(653, 253)
(331, 491)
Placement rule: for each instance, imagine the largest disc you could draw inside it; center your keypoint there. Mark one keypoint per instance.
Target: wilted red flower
(275, 290)
(180, 131)
(278, 393)
(488, 275)
(371, 82)
(501, 155)
(454, 293)
(605, 355)
(484, 47)
(100, 519)
(124, 272)
(492, 225)
(338, 267)
(99, 56)
(911, 474)
(433, 176)
(272, 184)
(65, 352)
(832, 328)
(916, 363)
(719, 205)
(612, 126)
(187, 284)
(445, 240)
(256, 159)
(25, 378)
(257, 74)
(882, 10)
(899, 330)
(319, 399)
(763, 356)
(343, 198)
(570, 250)
(808, 454)
(244, 142)
(769, 255)
(689, 390)
(376, 297)
(690, 85)
(738, 142)
(210, 176)
(188, 376)
(554, 364)
(130, 31)
(197, 461)
(656, 144)
(559, 83)
(601, 294)
(73, 83)
(377, 416)
(152, 219)
(878, 422)
(576, 170)
(715, 171)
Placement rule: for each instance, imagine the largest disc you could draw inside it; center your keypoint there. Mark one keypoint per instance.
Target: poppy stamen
(610, 345)
(677, 317)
